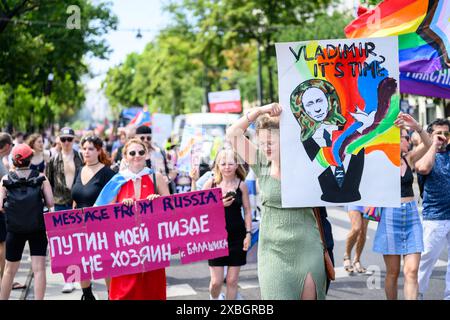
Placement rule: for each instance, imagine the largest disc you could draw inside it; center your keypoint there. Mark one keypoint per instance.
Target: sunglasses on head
(92, 139)
(68, 139)
(149, 138)
(133, 153)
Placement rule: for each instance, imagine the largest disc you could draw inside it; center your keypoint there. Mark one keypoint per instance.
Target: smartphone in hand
(230, 194)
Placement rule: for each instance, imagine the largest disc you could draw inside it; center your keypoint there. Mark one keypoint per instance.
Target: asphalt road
(191, 281)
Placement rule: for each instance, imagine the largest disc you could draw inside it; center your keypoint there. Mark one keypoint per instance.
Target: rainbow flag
(423, 27)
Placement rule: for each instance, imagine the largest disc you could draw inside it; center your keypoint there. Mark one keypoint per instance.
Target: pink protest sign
(113, 240)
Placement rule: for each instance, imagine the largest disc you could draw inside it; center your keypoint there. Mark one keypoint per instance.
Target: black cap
(66, 132)
(143, 130)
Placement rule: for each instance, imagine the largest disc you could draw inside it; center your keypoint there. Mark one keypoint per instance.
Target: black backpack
(24, 205)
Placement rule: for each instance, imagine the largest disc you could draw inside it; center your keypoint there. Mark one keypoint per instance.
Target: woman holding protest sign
(135, 182)
(290, 251)
(25, 191)
(229, 176)
(89, 181)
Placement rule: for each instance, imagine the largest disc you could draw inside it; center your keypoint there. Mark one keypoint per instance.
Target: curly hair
(308, 124)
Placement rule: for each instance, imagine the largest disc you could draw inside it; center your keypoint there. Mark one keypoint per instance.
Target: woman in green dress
(290, 251)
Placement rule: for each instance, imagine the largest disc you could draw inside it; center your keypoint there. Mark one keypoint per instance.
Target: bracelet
(248, 232)
(419, 132)
(248, 120)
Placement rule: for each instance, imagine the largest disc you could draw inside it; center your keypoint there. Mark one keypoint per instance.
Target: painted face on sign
(315, 103)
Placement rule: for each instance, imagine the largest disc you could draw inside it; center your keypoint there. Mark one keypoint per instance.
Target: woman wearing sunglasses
(129, 185)
(399, 231)
(89, 181)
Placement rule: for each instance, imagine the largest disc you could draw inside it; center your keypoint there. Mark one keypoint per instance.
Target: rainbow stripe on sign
(422, 26)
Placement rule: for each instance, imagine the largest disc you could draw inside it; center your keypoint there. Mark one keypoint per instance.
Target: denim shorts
(399, 231)
(355, 208)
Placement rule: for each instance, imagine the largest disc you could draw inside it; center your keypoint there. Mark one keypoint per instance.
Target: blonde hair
(266, 122)
(240, 171)
(130, 142)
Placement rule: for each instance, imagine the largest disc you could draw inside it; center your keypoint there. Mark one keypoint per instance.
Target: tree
(35, 43)
(213, 45)
(231, 23)
(118, 83)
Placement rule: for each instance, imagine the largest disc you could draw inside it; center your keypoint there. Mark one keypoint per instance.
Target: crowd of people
(38, 176)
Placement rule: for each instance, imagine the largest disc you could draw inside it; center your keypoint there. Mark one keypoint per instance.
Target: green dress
(289, 245)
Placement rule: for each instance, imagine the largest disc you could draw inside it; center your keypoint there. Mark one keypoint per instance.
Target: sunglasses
(443, 133)
(133, 153)
(149, 138)
(407, 138)
(63, 140)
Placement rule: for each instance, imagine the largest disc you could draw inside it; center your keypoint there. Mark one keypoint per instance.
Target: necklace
(91, 165)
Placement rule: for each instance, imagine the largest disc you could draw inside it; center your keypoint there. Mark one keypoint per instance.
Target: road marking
(248, 284)
(179, 290)
(341, 273)
(339, 233)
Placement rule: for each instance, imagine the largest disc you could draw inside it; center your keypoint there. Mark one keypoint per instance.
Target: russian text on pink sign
(113, 240)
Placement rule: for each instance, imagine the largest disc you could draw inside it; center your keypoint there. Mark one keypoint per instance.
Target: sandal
(358, 267)
(348, 266)
(18, 286)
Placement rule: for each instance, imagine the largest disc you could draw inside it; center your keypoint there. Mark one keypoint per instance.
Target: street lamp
(260, 81)
(262, 21)
(47, 92)
(48, 86)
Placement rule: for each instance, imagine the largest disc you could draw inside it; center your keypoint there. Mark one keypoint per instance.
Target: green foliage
(35, 43)
(213, 45)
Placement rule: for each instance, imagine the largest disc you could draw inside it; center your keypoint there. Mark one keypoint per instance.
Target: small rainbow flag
(423, 27)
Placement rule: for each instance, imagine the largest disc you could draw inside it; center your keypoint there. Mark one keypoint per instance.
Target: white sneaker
(220, 297)
(68, 288)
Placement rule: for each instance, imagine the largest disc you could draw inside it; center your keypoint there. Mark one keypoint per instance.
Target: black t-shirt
(85, 195)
